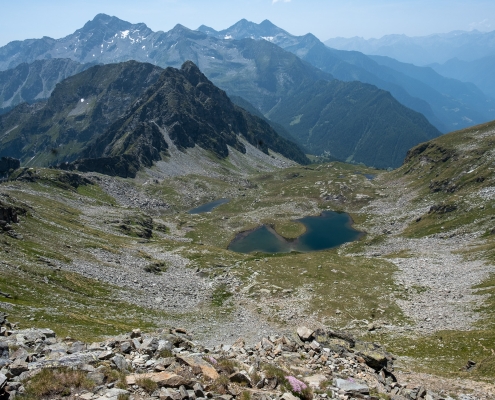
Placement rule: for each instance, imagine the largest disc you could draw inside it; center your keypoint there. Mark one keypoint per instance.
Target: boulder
(240, 377)
(305, 333)
(161, 378)
(207, 369)
(289, 396)
(120, 362)
(18, 367)
(168, 394)
(352, 386)
(374, 356)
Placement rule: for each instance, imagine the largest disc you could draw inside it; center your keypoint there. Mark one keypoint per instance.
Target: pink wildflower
(212, 360)
(296, 384)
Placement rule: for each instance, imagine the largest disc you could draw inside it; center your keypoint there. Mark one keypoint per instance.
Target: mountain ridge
(114, 115)
(447, 110)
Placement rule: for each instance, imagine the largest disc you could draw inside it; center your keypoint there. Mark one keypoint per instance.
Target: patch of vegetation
(147, 384)
(56, 382)
(156, 267)
(220, 295)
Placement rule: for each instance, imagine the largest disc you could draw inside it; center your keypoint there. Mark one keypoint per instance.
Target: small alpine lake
(326, 231)
(208, 207)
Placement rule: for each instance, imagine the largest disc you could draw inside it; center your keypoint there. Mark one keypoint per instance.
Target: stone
(314, 345)
(4, 350)
(76, 347)
(136, 343)
(305, 333)
(18, 367)
(3, 380)
(105, 355)
(278, 350)
(314, 381)
(183, 393)
(86, 396)
(266, 344)
(47, 333)
(135, 333)
(169, 394)
(113, 394)
(97, 377)
(126, 347)
(375, 358)
(120, 362)
(149, 346)
(351, 386)
(206, 368)
(198, 390)
(289, 396)
(161, 378)
(239, 377)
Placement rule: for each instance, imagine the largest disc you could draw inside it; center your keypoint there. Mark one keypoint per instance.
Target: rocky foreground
(170, 365)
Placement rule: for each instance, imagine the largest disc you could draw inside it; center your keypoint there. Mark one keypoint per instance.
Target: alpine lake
(328, 230)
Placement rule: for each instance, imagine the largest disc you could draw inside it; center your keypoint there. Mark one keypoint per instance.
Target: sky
(24, 19)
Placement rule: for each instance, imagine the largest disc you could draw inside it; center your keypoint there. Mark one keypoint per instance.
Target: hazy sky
(22, 19)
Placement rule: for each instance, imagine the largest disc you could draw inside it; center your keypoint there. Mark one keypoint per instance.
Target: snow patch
(227, 37)
(82, 100)
(268, 38)
(124, 34)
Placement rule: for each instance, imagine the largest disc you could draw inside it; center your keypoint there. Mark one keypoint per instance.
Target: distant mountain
(114, 119)
(423, 50)
(448, 104)
(35, 81)
(479, 72)
(257, 70)
(379, 134)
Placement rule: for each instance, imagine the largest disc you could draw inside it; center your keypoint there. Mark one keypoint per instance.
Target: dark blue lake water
(329, 230)
(208, 206)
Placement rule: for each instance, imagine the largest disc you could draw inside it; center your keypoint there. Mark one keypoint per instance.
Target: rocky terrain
(170, 365)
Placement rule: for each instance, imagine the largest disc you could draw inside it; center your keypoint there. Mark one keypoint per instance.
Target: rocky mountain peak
(107, 22)
(192, 73)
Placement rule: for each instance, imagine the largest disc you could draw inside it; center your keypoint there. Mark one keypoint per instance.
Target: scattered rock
(305, 333)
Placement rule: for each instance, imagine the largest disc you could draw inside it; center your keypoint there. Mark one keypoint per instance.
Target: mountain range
(447, 103)
(423, 50)
(259, 71)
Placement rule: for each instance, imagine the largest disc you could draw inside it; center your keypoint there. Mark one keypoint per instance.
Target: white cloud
(280, 1)
(483, 25)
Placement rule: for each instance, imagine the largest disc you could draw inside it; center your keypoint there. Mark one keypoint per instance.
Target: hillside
(357, 123)
(35, 81)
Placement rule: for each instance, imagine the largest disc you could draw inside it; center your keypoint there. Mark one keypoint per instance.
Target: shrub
(165, 353)
(147, 384)
(220, 385)
(227, 365)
